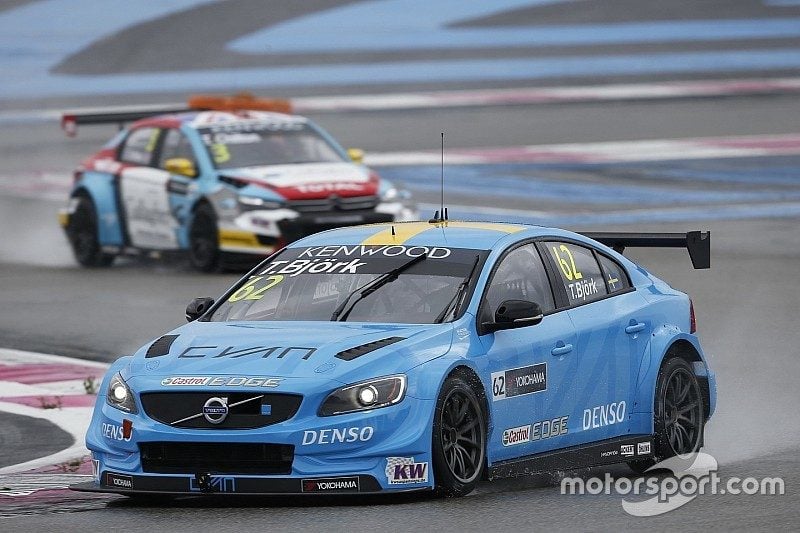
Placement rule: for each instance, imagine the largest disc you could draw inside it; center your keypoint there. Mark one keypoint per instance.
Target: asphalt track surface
(746, 307)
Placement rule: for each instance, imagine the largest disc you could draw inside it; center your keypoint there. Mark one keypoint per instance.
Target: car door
(611, 338)
(143, 191)
(527, 364)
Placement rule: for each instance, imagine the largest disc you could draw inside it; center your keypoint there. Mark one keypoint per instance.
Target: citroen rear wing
(125, 114)
(698, 243)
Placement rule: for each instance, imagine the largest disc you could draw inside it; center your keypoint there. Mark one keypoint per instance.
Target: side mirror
(356, 155)
(180, 166)
(198, 307)
(515, 314)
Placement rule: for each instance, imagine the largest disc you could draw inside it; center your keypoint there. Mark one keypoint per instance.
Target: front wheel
(678, 414)
(459, 438)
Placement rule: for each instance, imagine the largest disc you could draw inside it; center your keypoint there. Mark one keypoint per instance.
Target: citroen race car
(412, 356)
(219, 179)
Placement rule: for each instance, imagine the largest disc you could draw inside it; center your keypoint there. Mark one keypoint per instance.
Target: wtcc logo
(402, 470)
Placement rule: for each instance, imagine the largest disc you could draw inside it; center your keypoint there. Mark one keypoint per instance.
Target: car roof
(450, 233)
(200, 119)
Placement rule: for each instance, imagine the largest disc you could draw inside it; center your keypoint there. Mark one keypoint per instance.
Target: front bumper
(263, 231)
(328, 457)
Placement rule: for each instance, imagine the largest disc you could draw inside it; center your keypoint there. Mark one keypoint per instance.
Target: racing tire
(459, 438)
(204, 240)
(82, 234)
(678, 415)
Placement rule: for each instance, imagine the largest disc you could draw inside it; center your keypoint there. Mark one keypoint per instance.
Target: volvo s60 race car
(412, 356)
(224, 185)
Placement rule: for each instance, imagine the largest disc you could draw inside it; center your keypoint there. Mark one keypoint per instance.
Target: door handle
(561, 349)
(635, 327)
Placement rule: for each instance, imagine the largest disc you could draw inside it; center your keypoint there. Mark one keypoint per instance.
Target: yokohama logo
(341, 484)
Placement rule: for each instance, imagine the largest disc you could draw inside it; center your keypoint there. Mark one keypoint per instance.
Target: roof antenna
(441, 214)
(443, 211)
(393, 233)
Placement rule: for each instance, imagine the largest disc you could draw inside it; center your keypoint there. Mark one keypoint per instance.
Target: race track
(728, 163)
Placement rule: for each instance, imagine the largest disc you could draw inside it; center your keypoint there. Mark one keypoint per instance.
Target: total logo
(340, 435)
(404, 470)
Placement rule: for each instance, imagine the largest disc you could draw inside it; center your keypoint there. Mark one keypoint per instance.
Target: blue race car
(412, 356)
(222, 179)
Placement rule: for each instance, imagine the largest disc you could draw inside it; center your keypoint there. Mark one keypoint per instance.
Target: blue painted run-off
(36, 36)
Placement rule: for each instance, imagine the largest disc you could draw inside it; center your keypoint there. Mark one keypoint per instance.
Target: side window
(520, 276)
(579, 272)
(139, 146)
(176, 145)
(616, 278)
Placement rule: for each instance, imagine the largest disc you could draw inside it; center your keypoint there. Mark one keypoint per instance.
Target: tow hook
(203, 482)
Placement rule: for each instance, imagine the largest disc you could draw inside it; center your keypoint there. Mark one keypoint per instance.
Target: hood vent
(161, 346)
(358, 351)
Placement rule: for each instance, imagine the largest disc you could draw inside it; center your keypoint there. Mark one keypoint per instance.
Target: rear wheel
(203, 240)
(459, 438)
(82, 234)
(678, 414)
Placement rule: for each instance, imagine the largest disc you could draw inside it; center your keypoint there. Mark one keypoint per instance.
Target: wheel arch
(683, 346)
(100, 189)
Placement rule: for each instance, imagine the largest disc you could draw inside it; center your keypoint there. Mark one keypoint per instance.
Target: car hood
(311, 180)
(330, 350)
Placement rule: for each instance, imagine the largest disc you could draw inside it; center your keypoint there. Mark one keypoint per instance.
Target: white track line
(73, 420)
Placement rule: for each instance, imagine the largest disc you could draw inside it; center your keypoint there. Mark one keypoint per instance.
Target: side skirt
(611, 451)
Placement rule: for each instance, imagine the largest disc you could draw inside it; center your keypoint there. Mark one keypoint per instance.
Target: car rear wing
(122, 115)
(698, 243)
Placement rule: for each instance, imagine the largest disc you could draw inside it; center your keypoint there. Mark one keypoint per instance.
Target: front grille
(251, 412)
(334, 203)
(216, 458)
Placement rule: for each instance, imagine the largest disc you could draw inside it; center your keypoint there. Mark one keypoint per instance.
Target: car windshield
(264, 143)
(312, 283)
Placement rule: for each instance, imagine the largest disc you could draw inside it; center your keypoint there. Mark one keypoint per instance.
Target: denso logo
(517, 435)
(603, 415)
(341, 435)
(114, 432)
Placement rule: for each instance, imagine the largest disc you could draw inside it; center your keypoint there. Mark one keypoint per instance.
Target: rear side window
(578, 271)
(139, 146)
(615, 276)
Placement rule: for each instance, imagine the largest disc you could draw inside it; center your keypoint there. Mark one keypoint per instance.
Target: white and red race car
(225, 179)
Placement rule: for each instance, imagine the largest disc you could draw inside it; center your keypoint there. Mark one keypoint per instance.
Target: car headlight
(260, 203)
(119, 395)
(391, 194)
(371, 394)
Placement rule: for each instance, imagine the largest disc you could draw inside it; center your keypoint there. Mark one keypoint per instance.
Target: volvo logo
(215, 410)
